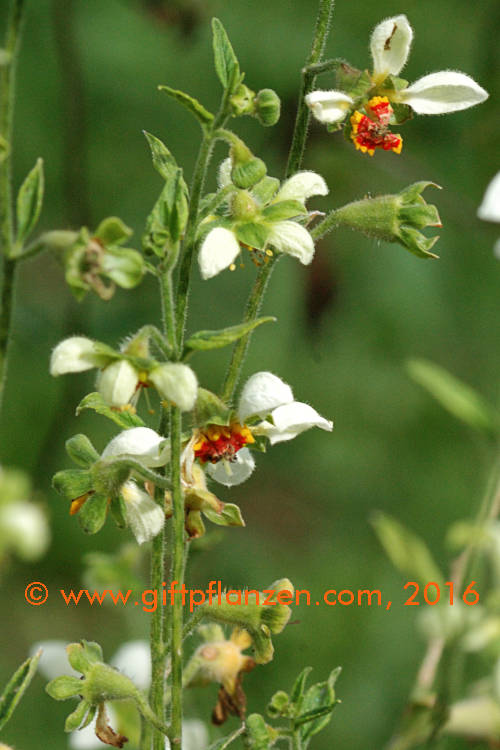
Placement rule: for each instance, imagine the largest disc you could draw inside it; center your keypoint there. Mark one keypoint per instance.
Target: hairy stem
(294, 162)
(177, 575)
(156, 635)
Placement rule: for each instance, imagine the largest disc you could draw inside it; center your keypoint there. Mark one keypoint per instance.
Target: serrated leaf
(29, 202)
(204, 340)
(283, 210)
(229, 516)
(123, 419)
(16, 688)
(456, 397)
(193, 105)
(163, 161)
(407, 551)
(226, 62)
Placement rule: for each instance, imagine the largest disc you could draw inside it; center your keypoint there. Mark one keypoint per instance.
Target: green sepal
(226, 62)
(203, 116)
(407, 551)
(252, 234)
(283, 210)
(205, 340)
(16, 687)
(81, 451)
(394, 83)
(402, 113)
(64, 687)
(72, 483)
(92, 515)
(194, 524)
(124, 266)
(113, 231)
(123, 419)
(360, 86)
(417, 243)
(210, 409)
(82, 656)
(29, 203)
(163, 161)
(119, 511)
(265, 190)
(80, 718)
(230, 515)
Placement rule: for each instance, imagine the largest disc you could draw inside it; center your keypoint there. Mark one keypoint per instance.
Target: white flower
(177, 383)
(74, 354)
(218, 251)
(489, 210)
(145, 517)
(118, 382)
(434, 94)
(133, 659)
(24, 529)
(140, 444)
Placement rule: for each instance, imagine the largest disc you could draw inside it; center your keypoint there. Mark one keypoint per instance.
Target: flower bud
(117, 383)
(279, 704)
(259, 735)
(75, 354)
(249, 173)
(242, 101)
(395, 218)
(243, 206)
(177, 383)
(267, 107)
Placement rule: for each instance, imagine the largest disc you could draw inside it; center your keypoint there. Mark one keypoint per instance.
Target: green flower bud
(176, 383)
(279, 704)
(259, 735)
(242, 101)
(247, 174)
(267, 107)
(394, 218)
(243, 206)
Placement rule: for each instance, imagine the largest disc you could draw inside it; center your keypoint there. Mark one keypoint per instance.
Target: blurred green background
(87, 87)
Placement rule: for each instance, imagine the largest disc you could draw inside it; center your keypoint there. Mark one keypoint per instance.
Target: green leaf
(112, 231)
(29, 202)
(265, 190)
(167, 221)
(283, 210)
(123, 419)
(209, 409)
(299, 686)
(93, 512)
(204, 340)
(252, 234)
(16, 688)
(226, 63)
(163, 161)
(456, 397)
(407, 551)
(316, 709)
(193, 105)
(229, 516)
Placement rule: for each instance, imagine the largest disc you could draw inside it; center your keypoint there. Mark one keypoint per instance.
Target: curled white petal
(489, 210)
(117, 382)
(302, 186)
(292, 419)
(177, 383)
(262, 393)
(442, 92)
(140, 443)
(328, 106)
(54, 659)
(144, 516)
(390, 46)
(234, 472)
(293, 239)
(75, 354)
(24, 529)
(133, 659)
(218, 250)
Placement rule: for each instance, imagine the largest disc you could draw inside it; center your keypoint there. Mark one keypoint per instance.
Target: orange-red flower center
(369, 133)
(216, 442)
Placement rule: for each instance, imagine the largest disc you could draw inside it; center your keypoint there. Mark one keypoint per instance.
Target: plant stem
(157, 649)
(294, 162)
(177, 575)
(7, 91)
(329, 223)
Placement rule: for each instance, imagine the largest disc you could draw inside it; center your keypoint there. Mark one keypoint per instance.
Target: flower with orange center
(216, 442)
(369, 133)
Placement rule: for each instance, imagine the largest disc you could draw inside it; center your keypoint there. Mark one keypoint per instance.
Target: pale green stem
(328, 224)
(294, 162)
(177, 575)
(156, 634)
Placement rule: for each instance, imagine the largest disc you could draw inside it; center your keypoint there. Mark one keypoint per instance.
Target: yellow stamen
(77, 503)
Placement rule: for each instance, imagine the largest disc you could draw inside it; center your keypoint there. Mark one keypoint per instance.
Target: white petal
(390, 45)
(194, 734)
(177, 383)
(139, 443)
(75, 354)
(302, 186)
(293, 239)
(489, 210)
(439, 93)
(292, 419)
(133, 659)
(234, 472)
(24, 529)
(224, 173)
(219, 249)
(117, 382)
(54, 659)
(328, 106)
(144, 516)
(262, 393)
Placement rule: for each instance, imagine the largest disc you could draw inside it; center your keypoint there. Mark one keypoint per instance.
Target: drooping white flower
(177, 383)
(145, 517)
(141, 444)
(118, 382)
(489, 210)
(75, 354)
